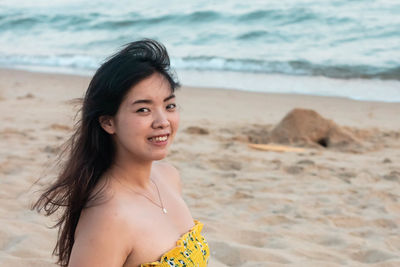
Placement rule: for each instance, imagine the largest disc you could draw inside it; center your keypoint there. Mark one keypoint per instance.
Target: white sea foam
(358, 89)
(296, 39)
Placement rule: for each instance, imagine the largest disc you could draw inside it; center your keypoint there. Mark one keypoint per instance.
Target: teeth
(160, 138)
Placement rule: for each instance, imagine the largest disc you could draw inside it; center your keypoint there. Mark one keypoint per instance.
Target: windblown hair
(90, 151)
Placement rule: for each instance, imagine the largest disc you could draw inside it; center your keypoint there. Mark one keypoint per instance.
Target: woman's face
(146, 121)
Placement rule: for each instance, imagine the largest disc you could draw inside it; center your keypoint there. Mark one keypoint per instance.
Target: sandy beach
(320, 206)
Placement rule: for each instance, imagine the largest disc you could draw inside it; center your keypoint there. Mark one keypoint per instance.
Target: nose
(160, 120)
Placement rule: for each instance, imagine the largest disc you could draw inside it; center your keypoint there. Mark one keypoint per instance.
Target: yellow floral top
(191, 250)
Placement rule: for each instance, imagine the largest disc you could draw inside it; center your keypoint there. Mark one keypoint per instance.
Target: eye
(171, 106)
(143, 110)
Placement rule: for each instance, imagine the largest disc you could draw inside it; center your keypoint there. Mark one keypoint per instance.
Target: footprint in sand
(387, 160)
(392, 176)
(196, 130)
(27, 96)
(51, 149)
(372, 256)
(242, 195)
(384, 223)
(346, 176)
(274, 220)
(306, 162)
(315, 255)
(59, 127)
(347, 221)
(257, 239)
(227, 164)
(225, 253)
(10, 132)
(294, 169)
(252, 238)
(236, 254)
(330, 241)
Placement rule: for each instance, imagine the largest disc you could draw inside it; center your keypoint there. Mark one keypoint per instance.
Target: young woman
(120, 206)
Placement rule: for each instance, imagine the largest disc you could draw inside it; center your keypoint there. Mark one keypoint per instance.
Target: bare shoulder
(171, 174)
(101, 237)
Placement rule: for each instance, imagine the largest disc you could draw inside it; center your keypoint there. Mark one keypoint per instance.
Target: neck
(132, 173)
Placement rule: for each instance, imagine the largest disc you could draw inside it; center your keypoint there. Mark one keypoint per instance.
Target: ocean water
(288, 46)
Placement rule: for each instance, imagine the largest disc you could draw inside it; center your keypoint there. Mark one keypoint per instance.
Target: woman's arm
(101, 239)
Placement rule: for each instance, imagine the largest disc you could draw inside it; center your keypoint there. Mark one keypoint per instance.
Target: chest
(155, 232)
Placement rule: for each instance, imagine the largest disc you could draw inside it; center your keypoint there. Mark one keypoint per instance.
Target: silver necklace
(159, 197)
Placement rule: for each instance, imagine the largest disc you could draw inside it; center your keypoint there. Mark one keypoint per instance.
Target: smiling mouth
(159, 138)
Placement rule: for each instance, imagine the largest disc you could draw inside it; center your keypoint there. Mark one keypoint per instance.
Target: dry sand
(316, 207)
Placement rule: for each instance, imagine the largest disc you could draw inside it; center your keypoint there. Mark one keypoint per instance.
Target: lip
(152, 141)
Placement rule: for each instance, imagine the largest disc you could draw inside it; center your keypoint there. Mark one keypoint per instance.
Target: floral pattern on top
(191, 250)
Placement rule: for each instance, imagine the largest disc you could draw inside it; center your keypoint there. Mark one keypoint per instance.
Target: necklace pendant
(164, 210)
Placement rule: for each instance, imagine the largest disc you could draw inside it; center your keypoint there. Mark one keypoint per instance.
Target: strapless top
(191, 250)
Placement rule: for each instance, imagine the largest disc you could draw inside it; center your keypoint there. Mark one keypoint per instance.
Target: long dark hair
(90, 151)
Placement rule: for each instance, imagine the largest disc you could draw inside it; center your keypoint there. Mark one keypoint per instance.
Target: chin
(159, 156)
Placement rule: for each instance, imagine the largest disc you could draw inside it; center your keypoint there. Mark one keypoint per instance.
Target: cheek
(130, 126)
(174, 120)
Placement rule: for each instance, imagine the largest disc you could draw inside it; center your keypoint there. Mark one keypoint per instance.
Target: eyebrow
(148, 101)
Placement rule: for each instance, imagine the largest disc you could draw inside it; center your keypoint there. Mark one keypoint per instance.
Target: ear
(107, 123)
